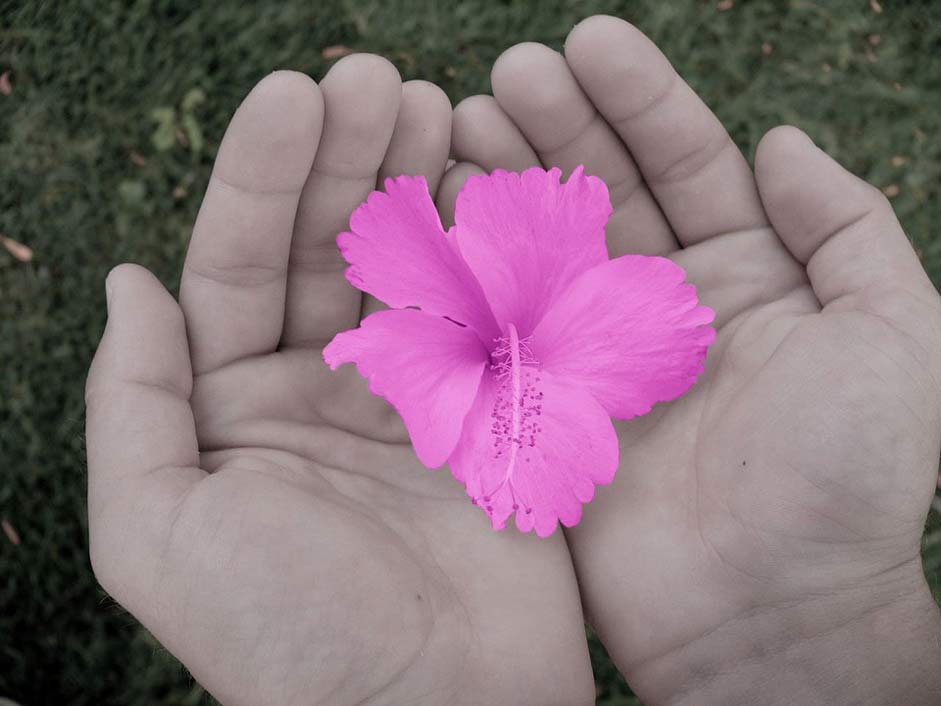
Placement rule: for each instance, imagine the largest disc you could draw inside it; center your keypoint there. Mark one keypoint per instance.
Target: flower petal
(425, 366)
(538, 453)
(630, 331)
(399, 253)
(526, 237)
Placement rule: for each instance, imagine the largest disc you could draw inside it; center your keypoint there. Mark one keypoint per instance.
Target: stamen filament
(516, 382)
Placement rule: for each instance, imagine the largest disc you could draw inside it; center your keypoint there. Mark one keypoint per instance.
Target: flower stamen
(514, 423)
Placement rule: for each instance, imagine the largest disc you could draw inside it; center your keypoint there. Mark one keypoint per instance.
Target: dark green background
(95, 81)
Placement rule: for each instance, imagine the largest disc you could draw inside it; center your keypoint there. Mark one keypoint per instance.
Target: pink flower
(513, 339)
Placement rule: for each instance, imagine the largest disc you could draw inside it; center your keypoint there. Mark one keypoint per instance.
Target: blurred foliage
(106, 141)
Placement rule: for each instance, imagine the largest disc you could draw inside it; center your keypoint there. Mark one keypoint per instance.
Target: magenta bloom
(513, 339)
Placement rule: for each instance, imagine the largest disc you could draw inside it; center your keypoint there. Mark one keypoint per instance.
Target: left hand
(760, 543)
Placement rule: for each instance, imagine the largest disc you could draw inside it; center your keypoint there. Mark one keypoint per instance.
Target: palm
(340, 534)
(262, 515)
(796, 447)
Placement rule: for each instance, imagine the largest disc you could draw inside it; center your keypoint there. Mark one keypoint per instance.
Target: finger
(422, 135)
(451, 185)
(140, 436)
(419, 145)
(697, 174)
(233, 284)
(534, 86)
(483, 134)
(361, 100)
(842, 228)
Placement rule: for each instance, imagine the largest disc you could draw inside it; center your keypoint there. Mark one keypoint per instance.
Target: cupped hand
(264, 517)
(760, 543)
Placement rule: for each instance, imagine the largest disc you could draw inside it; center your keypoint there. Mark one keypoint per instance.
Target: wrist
(866, 646)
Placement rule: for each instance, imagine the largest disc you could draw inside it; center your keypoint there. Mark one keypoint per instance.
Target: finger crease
(545, 151)
(632, 184)
(241, 275)
(651, 105)
(338, 171)
(321, 261)
(160, 385)
(231, 185)
(692, 163)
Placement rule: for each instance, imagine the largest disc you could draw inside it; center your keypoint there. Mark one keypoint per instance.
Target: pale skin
(268, 522)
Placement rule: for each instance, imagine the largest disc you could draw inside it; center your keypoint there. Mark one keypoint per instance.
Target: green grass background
(95, 81)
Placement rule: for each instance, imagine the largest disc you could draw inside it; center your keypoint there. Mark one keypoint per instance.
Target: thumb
(140, 434)
(842, 228)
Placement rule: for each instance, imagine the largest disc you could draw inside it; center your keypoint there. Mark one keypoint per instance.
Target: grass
(92, 173)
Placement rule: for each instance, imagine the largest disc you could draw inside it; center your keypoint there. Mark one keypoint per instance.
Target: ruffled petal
(527, 236)
(399, 253)
(425, 366)
(538, 452)
(630, 331)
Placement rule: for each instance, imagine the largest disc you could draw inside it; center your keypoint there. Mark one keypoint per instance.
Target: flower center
(515, 415)
(510, 353)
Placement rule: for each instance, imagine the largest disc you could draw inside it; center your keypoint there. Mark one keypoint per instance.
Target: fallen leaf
(899, 160)
(450, 71)
(6, 88)
(876, 7)
(137, 158)
(767, 48)
(892, 190)
(164, 138)
(193, 133)
(194, 98)
(724, 5)
(336, 51)
(181, 137)
(875, 39)
(407, 57)
(21, 252)
(179, 192)
(897, 86)
(10, 531)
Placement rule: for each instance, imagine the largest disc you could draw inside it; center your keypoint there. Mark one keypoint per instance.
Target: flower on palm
(512, 339)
